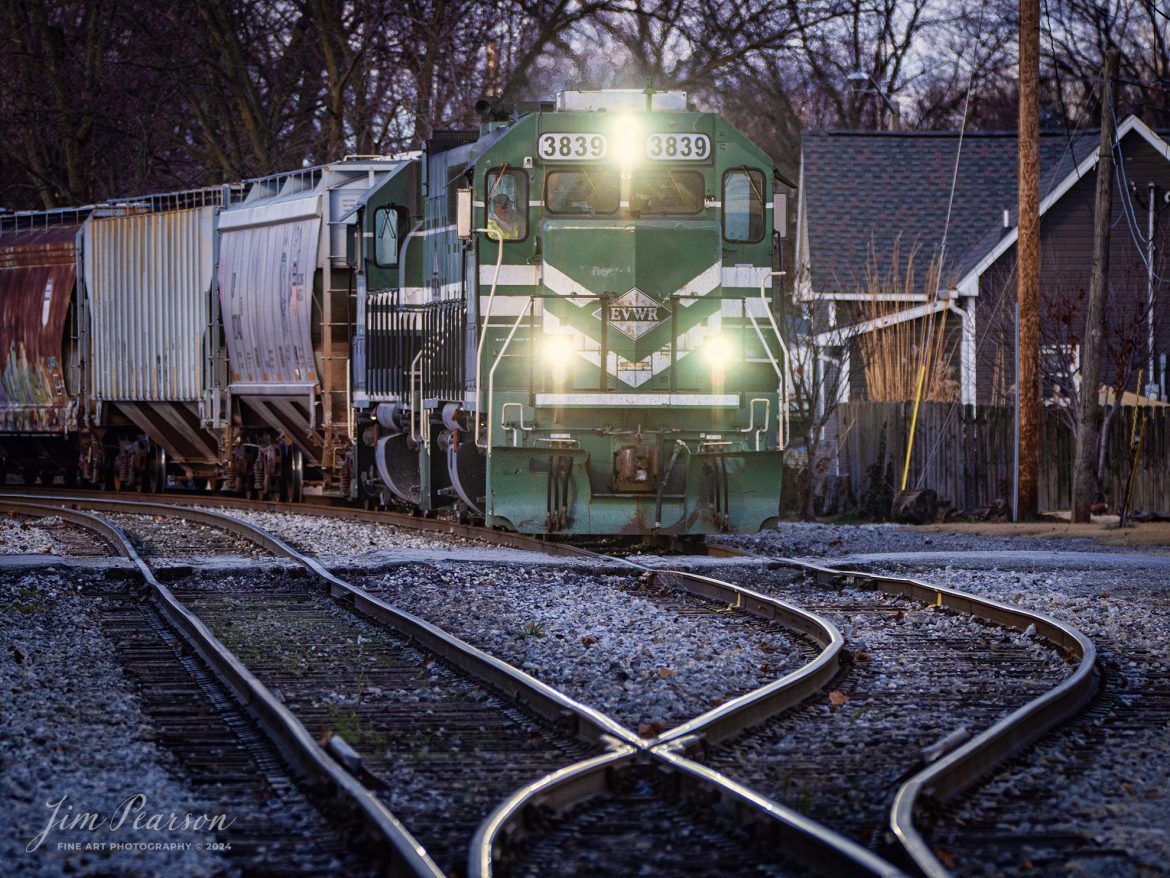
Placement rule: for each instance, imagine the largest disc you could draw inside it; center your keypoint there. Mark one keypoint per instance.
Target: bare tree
(1078, 35)
(820, 346)
(1125, 352)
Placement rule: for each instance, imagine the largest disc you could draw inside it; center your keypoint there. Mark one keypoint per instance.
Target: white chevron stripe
(563, 285)
(510, 275)
(749, 276)
(701, 284)
(638, 372)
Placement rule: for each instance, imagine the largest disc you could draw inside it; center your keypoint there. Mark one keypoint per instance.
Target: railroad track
(919, 676)
(234, 769)
(954, 763)
(645, 825)
(1014, 822)
(499, 833)
(244, 751)
(161, 539)
(57, 536)
(439, 749)
(935, 784)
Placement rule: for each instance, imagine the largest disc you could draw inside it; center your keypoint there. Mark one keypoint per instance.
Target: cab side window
(388, 228)
(506, 203)
(743, 206)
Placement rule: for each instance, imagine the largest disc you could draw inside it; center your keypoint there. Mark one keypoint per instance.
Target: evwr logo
(634, 313)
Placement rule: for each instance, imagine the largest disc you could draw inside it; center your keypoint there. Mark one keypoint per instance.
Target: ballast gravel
(321, 536)
(71, 731)
(792, 539)
(644, 655)
(48, 535)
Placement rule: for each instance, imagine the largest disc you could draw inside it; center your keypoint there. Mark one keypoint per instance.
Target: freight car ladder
(337, 309)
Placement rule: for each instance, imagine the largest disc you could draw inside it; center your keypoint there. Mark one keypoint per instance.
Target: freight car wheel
(29, 474)
(158, 469)
(296, 481)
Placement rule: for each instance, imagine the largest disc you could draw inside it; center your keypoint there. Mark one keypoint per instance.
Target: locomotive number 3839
(572, 147)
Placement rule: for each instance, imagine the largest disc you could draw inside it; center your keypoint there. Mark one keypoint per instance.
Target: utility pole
(1084, 480)
(1028, 268)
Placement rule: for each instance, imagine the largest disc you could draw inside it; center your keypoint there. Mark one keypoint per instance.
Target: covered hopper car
(559, 324)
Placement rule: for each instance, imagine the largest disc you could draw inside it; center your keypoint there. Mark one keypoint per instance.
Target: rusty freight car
(40, 377)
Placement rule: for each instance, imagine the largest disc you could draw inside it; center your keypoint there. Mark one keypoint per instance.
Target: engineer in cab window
(504, 218)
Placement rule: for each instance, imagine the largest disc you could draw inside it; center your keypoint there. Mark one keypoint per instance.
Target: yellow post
(1137, 404)
(913, 425)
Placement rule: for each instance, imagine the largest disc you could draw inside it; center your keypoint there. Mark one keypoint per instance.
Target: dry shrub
(893, 354)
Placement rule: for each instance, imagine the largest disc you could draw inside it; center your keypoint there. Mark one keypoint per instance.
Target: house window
(743, 206)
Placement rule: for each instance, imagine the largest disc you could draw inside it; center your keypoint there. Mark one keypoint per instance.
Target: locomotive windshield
(584, 192)
(596, 191)
(667, 192)
(743, 205)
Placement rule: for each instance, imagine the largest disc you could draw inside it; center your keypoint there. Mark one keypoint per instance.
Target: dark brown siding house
(1137, 330)
(874, 211)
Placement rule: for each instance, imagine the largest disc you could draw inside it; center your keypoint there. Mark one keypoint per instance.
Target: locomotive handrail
(752, 417)
(509, 425)
(416, 401)
(487, 315)
(492, 374)
(783, 417)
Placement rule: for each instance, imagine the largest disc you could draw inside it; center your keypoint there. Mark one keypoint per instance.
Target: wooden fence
(965, 454)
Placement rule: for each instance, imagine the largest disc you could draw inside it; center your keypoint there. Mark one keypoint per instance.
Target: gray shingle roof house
(864, 193)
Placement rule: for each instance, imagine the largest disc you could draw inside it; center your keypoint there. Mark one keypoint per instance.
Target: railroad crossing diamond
(634, 313)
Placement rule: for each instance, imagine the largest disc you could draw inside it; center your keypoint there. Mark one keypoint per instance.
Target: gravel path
(648, 656)
(318, 535)
(1108, 813)
(70, 725)
(813, 540)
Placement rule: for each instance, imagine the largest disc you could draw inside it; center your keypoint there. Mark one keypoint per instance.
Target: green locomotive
(564, 324)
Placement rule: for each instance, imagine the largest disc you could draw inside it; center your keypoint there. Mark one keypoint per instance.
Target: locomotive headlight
(557, 353)
(627, 141)
(718, 352)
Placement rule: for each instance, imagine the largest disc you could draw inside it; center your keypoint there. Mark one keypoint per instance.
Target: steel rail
(318, 506)
(717, 724)
(817, 845)
(559, 790)
(286, 732)
(959, 770)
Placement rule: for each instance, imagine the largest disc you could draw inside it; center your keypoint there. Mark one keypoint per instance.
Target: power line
(1127, 208)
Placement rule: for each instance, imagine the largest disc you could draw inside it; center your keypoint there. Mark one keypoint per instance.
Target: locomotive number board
(572, 147)
(678, 147)
(662, 147)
